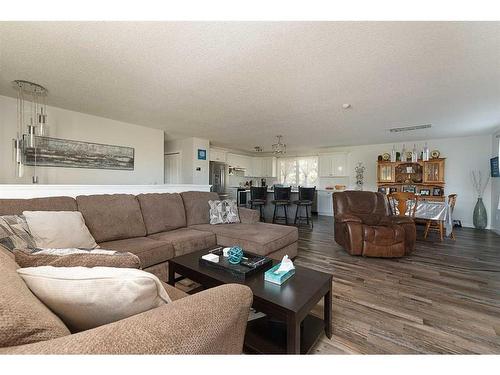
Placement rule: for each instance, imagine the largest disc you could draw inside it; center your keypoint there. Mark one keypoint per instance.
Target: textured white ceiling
(241, 83)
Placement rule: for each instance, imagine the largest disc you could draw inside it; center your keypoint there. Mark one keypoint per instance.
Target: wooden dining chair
(401, 200)
(438, 225)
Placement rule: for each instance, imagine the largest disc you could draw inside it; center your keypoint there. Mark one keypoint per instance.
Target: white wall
(462, 156)
(147, 142)
(495, 187)
(188, 147)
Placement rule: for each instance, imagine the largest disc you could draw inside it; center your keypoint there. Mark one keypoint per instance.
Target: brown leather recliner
(364, 226)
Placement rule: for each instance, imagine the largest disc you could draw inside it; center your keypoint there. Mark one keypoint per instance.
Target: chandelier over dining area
(279, 148)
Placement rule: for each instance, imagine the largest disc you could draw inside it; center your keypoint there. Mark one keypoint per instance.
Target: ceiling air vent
(409, 128)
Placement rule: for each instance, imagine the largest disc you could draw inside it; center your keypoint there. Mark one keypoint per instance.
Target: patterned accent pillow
(224, 212)
(15, 233)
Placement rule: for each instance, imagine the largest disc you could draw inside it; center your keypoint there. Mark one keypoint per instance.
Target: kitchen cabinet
(325, 203)
(238, 161)
(333, 165)
(218, 155)
(264, 167)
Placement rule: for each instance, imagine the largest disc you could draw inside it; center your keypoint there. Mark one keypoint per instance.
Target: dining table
(431, 210)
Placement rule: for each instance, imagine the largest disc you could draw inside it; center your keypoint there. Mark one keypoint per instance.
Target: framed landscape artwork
(56, 152)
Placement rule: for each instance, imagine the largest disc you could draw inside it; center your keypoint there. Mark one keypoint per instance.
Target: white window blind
(298, 171)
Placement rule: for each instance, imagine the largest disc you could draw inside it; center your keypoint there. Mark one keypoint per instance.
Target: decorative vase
(480, 219)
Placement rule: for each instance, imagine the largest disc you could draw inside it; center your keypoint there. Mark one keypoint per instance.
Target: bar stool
(281, 199)
(306, 197)
(258, 198)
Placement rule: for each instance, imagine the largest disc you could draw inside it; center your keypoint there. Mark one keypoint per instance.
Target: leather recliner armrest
(348, 218)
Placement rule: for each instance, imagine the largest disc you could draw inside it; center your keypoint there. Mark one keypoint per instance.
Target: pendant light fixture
(279, 148)
(31, 121)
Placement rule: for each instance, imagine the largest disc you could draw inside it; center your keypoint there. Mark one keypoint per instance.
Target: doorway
(172, 167)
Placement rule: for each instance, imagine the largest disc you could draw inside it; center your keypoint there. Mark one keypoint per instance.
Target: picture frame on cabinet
(409, 189)
(425, 192)
(437, 192)
(393, 190)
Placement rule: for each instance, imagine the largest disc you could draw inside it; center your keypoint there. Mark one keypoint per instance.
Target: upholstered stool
(306, 198)
(281, 199)
(258, 198)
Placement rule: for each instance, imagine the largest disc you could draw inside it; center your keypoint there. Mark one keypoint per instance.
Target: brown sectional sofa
(157, 227)
(209, 322)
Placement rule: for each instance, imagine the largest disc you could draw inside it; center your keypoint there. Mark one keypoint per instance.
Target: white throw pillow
(59, 229)
(85, 297)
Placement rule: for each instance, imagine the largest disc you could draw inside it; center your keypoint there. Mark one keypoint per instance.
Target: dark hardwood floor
(444, 298)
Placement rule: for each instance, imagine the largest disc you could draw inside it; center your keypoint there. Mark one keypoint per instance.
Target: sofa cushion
(112, 217)
(15, 233)
(23, 319)
(89, 297)
(258, 238)
(162, 212)
(148, 250)
(17, 206)
(186, 240)
(223, 212)
(196, 206)
(50, 229)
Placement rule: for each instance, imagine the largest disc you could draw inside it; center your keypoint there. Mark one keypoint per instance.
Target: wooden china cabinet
(425, 178)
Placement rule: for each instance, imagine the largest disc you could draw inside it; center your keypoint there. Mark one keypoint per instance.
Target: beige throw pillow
(85, 298)
(59, 229)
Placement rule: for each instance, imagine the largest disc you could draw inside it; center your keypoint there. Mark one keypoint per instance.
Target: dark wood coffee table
(288, 326)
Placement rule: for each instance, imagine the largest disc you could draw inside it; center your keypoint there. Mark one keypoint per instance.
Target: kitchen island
(322, 204)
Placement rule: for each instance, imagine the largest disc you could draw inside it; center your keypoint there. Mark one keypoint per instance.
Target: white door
(172, 168)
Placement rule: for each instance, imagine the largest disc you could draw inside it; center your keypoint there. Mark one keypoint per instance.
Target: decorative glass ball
(235, 254)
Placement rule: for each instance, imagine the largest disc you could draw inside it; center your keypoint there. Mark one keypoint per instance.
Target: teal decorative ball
(235, 254)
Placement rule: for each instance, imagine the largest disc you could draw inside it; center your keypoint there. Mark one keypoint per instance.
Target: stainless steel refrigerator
(217, 179)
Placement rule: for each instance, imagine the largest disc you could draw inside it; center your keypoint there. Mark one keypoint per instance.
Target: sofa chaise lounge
(212, 321)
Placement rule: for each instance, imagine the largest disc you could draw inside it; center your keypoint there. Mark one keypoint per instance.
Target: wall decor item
(202, 154)
(480, 217)
(56, 152)
(495, 172)
(425, 192)
(360, 170)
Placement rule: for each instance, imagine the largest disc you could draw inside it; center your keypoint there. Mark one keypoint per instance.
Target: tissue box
(278, 278)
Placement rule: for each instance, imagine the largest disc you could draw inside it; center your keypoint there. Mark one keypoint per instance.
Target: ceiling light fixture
(346, 106)
(279, 148)
(31, 121)
(410, 128)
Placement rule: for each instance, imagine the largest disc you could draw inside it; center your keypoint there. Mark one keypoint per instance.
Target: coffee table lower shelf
(268, 336)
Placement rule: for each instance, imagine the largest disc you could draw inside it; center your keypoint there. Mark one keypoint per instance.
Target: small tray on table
(240, 271)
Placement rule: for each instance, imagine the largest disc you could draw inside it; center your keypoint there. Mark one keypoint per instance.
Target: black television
(494, 167)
